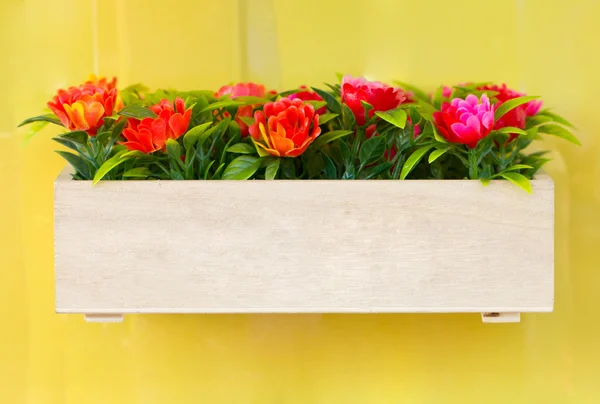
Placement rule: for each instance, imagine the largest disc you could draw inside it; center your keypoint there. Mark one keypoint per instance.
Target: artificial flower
(151, 134)
(84, 107)
(286, 127)
(102, 81)
(379, 95)
(515, 117)
(308, 96)
(239, 90)
(465, 121)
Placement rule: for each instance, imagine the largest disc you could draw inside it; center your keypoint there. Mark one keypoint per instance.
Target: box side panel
(331, 246)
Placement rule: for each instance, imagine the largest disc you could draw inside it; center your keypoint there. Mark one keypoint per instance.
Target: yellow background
(543, 47)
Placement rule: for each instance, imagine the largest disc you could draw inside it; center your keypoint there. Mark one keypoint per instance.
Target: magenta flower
(465, 121)
(446, 91)
(533, 107)
(381, 96)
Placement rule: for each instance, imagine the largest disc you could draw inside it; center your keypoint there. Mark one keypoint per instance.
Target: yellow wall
(545, 47)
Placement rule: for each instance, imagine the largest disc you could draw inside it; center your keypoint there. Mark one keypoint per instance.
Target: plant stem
(473, 168)
(502, 159)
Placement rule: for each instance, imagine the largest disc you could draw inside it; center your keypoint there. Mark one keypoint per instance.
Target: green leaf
(174, 150)
(138, 172)
(511, 129)
(261, 152)
(251, 100)
(485, 181)
(51, 118)
(556, 118)
(437, 97)
(372, 150)
(396, 117)
(66, 143)
(335, 88)
(108, 165)
(379, 169)
(332, 103)
(234, 130)
(241, 168)
(329, 167)
(313, 163)
(242, 148)
(78, 163)
(512, 104)
(129, 98)
(193, 135)
(420, 94)
(366, 106)
(330, 137)
(220, 104)
(271, 170)
(290, 92)
(248, 120)
(78, 136)
(556, 130)
(518, 179)
(323, 118)
(137, 88)
(538, 120)
(413, 160)
(33, 130)
(348, 117)
(217, 174)
(137, 112)
(437, 135)
(436, 154)
(517, 167)
(316, 104)
(198, 116)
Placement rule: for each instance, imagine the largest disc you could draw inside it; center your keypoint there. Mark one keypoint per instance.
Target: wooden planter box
(303, 246)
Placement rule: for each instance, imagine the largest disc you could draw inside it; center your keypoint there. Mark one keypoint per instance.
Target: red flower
(239, 90)
(515, 117)
(284, 128)
(84, 107)
(309, 96)
(465, 121)
(379, 95)
(151, 134)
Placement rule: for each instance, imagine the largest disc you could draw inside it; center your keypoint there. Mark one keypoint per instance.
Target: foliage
(244, 132)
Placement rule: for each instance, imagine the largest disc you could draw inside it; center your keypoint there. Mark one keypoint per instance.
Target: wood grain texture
(303, 246)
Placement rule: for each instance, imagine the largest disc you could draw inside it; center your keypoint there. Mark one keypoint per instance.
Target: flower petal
(75, 112)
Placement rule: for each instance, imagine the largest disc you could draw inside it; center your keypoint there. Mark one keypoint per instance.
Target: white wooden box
(303, 246)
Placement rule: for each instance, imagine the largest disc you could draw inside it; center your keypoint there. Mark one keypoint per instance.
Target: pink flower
(379, 95)
(446, 92)
(533, 107)
(465, 121)
(309, 96)
(240, 90)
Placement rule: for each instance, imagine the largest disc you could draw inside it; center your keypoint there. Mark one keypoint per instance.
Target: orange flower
(151, 134)
(102, 81)
(84, 107)
(284, 128)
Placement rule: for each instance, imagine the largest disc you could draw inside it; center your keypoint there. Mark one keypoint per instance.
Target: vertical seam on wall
(240, 47)
(95, 37)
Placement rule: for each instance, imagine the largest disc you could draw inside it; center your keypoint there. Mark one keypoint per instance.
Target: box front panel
(303, 246)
